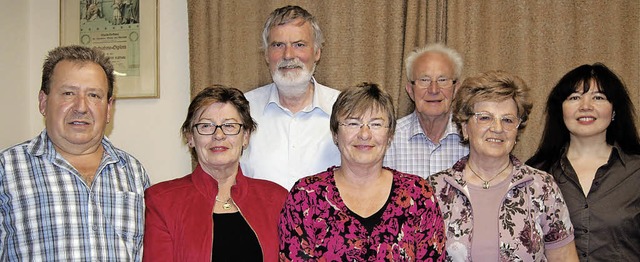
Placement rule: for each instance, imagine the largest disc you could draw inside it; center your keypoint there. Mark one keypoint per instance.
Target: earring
(613, 116)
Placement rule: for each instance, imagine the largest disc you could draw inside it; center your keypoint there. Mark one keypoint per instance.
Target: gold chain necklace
(226, 205)
(485, 183)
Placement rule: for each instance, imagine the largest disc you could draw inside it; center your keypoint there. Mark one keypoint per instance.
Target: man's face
(290, 53)
(432, 101)
(76, 109)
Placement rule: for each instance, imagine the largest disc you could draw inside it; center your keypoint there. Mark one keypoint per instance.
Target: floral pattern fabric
(533, 214)
(316, 225)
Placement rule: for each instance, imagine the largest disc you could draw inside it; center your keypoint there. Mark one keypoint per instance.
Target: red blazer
(179, 222)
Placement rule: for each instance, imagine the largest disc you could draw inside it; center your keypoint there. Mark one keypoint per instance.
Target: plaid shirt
(413, 152)
(49, 214)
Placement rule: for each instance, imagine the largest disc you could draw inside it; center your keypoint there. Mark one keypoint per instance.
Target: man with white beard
(293, 139)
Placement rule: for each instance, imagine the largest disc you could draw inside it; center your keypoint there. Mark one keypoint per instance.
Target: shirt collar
(319, 100)
(616, 153)
(208, 186)
(43, 146)
(415, 128)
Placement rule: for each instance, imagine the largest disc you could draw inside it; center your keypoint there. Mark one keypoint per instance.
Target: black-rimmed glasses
(210, 129)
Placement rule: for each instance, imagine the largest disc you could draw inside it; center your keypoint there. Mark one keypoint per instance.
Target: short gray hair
(453, 56)
(287, 14)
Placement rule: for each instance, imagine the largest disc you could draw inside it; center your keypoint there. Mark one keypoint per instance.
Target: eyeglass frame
(453, 82)
(196, 126)
(357, 126)
(493, 120)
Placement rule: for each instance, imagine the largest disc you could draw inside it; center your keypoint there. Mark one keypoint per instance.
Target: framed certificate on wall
(126, 31)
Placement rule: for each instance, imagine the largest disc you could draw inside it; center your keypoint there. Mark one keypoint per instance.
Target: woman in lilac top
(496, 208)
(361, 211)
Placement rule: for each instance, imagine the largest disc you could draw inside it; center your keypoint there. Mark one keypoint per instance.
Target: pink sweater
(315, 224)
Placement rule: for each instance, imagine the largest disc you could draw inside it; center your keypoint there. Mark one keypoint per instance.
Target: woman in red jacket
(214, 213)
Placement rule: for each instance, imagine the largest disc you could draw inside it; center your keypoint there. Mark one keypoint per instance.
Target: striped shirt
(412, 152)
(49, 214)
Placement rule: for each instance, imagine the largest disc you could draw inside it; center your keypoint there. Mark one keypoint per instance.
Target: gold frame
(142, 60)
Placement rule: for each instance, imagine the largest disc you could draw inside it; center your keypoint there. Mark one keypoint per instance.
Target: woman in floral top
(495, 207)
(361, 211)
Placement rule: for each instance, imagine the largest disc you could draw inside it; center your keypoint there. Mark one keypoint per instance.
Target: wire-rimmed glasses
(357, 125)
(441, 82)
(508, 122)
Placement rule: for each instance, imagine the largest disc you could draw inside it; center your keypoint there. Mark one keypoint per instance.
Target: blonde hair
(496, 86)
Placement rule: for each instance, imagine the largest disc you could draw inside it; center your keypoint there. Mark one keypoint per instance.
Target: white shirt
(286, 146)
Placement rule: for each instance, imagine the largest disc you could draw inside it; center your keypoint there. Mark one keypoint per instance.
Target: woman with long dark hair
(590, 145)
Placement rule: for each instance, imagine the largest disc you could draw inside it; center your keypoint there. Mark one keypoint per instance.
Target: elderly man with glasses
(426, 140)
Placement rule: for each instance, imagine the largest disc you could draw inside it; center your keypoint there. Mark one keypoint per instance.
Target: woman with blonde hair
(496, 208)
(361, 211)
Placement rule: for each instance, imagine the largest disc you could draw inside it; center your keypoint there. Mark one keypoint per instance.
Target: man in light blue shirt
(426, 141)
(69, 194)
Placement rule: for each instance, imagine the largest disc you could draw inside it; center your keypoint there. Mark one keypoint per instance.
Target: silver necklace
(485, 183)
(226, 205)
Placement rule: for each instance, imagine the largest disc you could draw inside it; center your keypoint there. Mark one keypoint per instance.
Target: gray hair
(453, 56)
(287, 14)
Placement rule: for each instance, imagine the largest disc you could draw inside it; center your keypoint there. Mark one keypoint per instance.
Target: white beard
(293, 84)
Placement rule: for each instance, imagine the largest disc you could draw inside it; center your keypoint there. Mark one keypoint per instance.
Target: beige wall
(14, 65)
(146, 128)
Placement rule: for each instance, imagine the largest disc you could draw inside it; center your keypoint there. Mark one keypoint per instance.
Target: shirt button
(584, 254)
(585, 230)
(95, 228)
(586, 205)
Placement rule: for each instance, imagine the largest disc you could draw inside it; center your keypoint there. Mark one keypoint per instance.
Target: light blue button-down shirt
(48, 213)
(412, 152)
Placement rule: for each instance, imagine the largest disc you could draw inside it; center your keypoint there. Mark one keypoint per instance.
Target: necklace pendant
(226, 206)
(485, 185)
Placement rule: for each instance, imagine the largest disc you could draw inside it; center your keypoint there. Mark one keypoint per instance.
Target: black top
(370, 222)
(233, 239)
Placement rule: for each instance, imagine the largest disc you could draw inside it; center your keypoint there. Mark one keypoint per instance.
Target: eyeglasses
(210, 129)
(508, 122)
(441, 82)
(355, 125)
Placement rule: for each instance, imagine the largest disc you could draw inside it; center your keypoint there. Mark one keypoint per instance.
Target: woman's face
(587, 115)
(492, 132)
(218, 151)
(363, 140)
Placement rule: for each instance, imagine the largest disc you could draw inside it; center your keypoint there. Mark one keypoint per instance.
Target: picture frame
(126, 31)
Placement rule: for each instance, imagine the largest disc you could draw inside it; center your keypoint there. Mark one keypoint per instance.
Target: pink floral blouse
(316, 225)
(533, 215)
